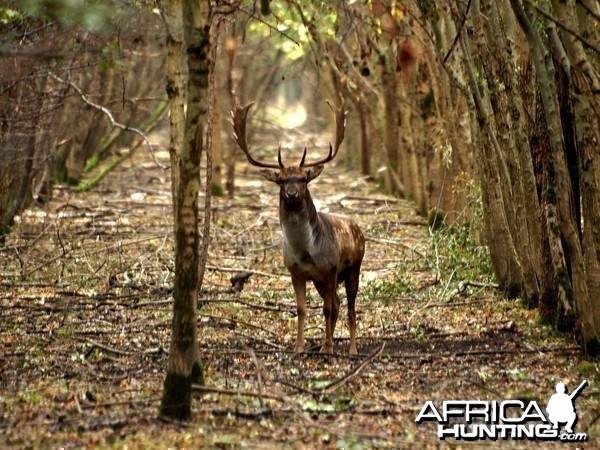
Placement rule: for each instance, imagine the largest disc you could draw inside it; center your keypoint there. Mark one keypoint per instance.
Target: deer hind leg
(330, 311)
(299, 284)
(351, 283)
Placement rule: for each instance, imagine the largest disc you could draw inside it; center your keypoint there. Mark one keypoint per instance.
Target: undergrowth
(388, 289)
(458, 256)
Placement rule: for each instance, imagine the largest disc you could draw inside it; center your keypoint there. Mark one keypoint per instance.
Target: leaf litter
(85, 290)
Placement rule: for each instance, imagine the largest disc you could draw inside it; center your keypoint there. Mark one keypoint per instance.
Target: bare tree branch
(460, 28)
(271, 27)
(108, 114)
(40, 53)
(354, 372)
(561, 25)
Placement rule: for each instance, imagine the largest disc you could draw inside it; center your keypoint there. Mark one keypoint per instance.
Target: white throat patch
(298, 235)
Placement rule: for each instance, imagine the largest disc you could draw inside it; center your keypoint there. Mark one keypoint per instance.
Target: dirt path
(85, 320)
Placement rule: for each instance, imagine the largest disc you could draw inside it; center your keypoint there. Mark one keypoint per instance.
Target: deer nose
(293, 194)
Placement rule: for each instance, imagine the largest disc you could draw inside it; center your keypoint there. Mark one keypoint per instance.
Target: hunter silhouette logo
(508, 419)
(561, 408)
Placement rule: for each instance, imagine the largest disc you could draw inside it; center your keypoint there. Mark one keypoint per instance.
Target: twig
(132, 242)
(448, 304)
(385, 201)
(257, 339)
(271, 27)
(228, 351)
(447, 284)
(102, 250)
(106, 348)
(462, 24)
(119, 403)
(259, 380)
(393, 242)
(243, 393)
(79, 410)
(236, 392)
(457, 304)
(502, 351)
(65, 252)
(418, 356)
(249, 304)
(151, 303)
(234, 321)
(464, 285)
(219, 300)
(247, 415)
(295, 387)
(280, 397)
(263, 249)
(116, 351)
(20, 51)
(353, 373)
(233, 269)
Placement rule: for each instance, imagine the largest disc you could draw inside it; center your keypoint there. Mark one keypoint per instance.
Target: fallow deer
(323, 248)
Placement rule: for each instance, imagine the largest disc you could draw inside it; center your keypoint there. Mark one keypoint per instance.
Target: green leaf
(344, 403)
(318, 384)
(314, 405)
(8, 16)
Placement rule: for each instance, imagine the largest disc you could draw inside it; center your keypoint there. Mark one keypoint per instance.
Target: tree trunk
(411, 177)
(176, 92)
(494, 175)
(389, 86)
(365, 160)
(522, 207)
(184, 367)
(563, 187)
(217, 153)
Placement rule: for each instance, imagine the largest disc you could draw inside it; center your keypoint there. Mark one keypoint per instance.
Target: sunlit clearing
(287, 116)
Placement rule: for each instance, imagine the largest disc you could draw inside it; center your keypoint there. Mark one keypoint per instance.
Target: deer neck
(299, 225)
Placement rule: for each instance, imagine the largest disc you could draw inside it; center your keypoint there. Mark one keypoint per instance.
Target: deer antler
(340, 127)
(238, 120)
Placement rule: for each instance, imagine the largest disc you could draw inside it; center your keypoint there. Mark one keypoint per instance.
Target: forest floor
(85, 318)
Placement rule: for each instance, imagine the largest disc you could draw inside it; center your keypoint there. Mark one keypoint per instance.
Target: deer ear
(270, 175)
(314, 172)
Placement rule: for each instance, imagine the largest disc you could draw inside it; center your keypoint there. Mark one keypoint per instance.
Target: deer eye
(292, 180)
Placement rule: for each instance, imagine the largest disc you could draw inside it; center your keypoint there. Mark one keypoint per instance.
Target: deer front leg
(328, 294)
(327, 346)
(299, 284)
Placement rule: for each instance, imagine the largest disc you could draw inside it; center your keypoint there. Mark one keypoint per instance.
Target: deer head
(293, 181)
